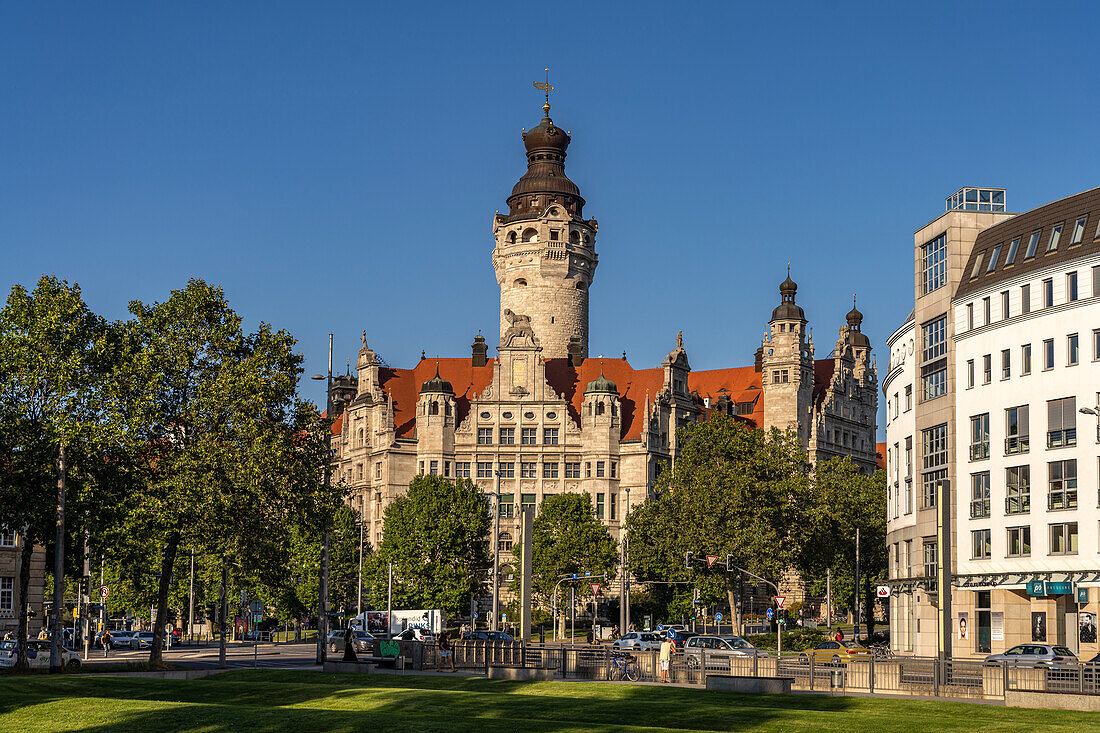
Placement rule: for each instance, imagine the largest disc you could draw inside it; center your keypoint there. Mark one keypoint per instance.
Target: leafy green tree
(567, 538)
(733, 491)
(436, 536)
(52, 358)
(845, 499)
(224, 454)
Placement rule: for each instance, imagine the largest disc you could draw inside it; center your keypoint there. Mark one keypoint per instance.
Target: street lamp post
(496, 552)
(359, 598)
(624, 582)
(322, 605)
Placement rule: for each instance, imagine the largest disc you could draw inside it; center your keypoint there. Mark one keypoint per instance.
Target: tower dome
(855, 322)
(601, 384)
(787, 310)
(437, 384)
(546, 145)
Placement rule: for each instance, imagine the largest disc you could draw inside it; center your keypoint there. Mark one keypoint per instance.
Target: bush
(795, 640)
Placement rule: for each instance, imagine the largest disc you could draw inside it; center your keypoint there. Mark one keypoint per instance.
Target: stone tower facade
(545, 253)
(787, 376)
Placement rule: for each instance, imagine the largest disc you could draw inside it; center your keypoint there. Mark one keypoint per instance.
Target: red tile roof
(880, 455)
(403, 385)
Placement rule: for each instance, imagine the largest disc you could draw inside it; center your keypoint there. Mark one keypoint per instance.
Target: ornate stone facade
(552, 420)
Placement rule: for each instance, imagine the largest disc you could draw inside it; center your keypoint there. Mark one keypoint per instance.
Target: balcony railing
(979, 508)
(1016, 444)
(1018, 504)
(1057, 500)
(978, 451)
(1062, 438)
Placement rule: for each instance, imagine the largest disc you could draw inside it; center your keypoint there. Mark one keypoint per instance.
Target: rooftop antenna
(547, 88)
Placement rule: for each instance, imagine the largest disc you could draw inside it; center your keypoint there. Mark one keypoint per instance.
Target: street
(206, 657)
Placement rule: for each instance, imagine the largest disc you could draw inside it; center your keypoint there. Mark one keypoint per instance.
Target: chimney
(576, 353)
(758, 363)
(480, 351)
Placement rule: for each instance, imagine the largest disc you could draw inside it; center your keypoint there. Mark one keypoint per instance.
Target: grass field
(312, 701)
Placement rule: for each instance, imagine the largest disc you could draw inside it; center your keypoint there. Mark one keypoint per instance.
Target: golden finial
(546, 87)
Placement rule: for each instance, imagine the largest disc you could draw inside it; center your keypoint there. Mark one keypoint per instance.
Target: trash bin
(836, 679)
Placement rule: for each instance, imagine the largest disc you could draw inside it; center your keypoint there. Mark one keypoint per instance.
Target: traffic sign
(504, 618)
(256, 607)
(779, 601)
(587, 573)
(771, 613)
(574, 576)
(884, 591)
(475, 615)
(104, 592)
(711, 559)
(718, 618)
(595, 589)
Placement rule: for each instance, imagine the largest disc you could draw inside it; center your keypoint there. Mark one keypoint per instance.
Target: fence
(921, 676)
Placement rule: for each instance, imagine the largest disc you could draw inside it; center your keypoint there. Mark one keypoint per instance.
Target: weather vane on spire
(547, 88)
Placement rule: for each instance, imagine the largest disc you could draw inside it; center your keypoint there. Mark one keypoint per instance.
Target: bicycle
(881, 650)
(623, 667)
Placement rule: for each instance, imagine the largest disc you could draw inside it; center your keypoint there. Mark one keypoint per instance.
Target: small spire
(624, 354)
(349, 368)
(547, 88)
(422, 355)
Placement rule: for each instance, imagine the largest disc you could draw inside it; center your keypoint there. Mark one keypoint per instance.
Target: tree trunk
(26, 552)
(868, 604)
(156, 655)
(59, 566)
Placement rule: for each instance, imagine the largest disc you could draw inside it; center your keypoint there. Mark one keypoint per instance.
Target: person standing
(108, 642)
(445, 651)
(668, 647)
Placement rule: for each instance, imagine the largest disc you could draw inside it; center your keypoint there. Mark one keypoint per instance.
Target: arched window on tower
(447, 409)
(433, 408)
(530, 235)
(599, 408)
(361, 437)
(504, 543)
(574, 237)
(520, 282)
(511, 237)
(580, 285)
(587, 239)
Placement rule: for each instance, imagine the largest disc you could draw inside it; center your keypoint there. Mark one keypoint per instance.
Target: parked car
(38, 655)
(414, 634)
(143, 640)
(835, 652)
(480, 635)
(363, 641)
(717, 647)
(1035, 654)
(638, 640)
(680, 636)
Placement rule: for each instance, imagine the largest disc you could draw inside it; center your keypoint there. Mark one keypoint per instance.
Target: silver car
(1035, 654)
(717, 647)
(38, 655)
(638, 640)
(362, 643)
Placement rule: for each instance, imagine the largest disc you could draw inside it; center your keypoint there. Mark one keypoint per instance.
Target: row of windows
(893, 407)
(529, 469)
(1072, 294)
(507, 510)
(1061, 540)
(528, 436)
(1049, 354)
(1053, 240)
(1061, 489)
(1061, 428)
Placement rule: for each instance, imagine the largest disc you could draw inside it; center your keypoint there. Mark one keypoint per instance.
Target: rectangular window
(979, 495)
(527, 501)
(1011, 256)
(1006, 363)
(1048, 353)
(614, 468)
(1073, 349)
(935, 463)
(977, 265)
(930, 564)
(420, 469)
(599, 505)
(979, 437)
(7, 594)
(1063, 538)
(1079, 230)
(1017, 431)
(378, 470)
(1025, 298)
(550, 436)
(1025, 359)
(1004, 305)
(909, 475)
(1048, 292)
(572, 469)
(1096, 281)
(612, 503)
(507, 436)
(527, 436)
(1018, 490)
(507, 506)
(1032, 245)
(507, 470)
(909, 394)
(446, 468)
(1055, 236)
(1071, 287)
(969, 373)
(987, 369)
(7, 537)
(484, 469)
(1062, 422)
(934, 358)
(550, 470)
(588, 469)
(993, 259)
(433, 468)
(979, 544)
(527, 469)
(934, 264)
(969, 316)
(599, 469)
(1019, 541)
(987, 311)
(1062, 485)
(462, 469)
(1096, 344)
(484, 436)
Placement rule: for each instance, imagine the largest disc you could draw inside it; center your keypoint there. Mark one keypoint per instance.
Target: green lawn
(312, 701)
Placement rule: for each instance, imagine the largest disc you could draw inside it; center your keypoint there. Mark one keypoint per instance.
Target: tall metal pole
(86, 599)
(829, 596)
(389, 603)
(223, 611)
(496, 554)
(58, 566)
(191, 601)
(855, 631)
(359, 598)
(322, 605)
(103, 601)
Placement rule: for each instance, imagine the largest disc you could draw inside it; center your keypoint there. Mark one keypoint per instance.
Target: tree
(844, 500)
(51, 360)
(567, 538)
(436, 536)
(733, 490)
(224, 454)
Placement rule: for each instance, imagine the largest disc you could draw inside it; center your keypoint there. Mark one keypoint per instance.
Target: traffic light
(729, 563)
(85, 585)
(687, 559)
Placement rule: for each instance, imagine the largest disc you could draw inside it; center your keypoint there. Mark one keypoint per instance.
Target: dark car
(680, 637)
(487, 636)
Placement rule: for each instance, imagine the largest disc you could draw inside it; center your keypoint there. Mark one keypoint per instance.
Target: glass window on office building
(1006, 363)
(934, 358)
(1018, 490)
(1062, 422)
(979, 437)
(1071, 286)
(1032, 245)
(980, 545)
(1073, 349)
(1017, 430)
(1019, 541)
(1025, 298)
(1079, 230)
(1011, 256)
(1048, 353)
(1062, 491)
(930, 563)
(1048, 292)
(934, 264)
(934, 442)
(979, 495)
(1055, 237)
(1025, 359)
(1063, 538)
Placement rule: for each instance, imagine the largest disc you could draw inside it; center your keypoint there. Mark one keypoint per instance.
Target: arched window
(506, 574)
(504, 542)
(574, 237)
(599, 408)
(433, 408)
(553, 211)
(614, 410)
(520, 283)
(587, 239)
(511, 237)
(361, 437)
(447, 409)
(530, 235)
(580, 285)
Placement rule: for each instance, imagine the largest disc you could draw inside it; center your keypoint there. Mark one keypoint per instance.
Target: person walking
(445, 651)
(108, 642)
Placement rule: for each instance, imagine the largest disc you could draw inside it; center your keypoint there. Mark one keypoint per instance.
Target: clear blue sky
(336, 166)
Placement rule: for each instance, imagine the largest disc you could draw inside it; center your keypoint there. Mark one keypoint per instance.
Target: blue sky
(335, 167)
